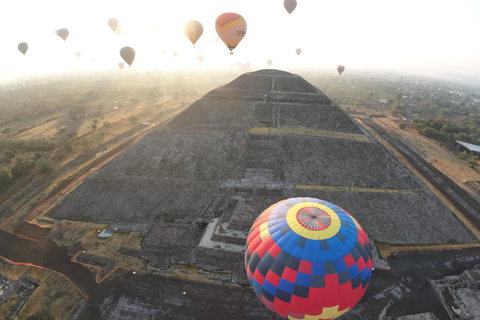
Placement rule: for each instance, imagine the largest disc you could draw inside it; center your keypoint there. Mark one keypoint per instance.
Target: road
(469, 206)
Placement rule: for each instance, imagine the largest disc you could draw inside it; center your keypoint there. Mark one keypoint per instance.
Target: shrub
(43, 166)
(402, 125)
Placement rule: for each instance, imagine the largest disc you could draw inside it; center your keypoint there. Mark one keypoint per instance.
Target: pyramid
(198, 183)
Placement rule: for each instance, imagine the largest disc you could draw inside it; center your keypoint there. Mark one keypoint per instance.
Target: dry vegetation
(54, 298)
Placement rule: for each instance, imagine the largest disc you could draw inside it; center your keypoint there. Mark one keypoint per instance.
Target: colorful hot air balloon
(175, 53)
(62, 33)
(308, 259)
(340, 69)
(128, 54)
(121, 65)
(231, 28)
(113, 23)
(193, 30)
(23, 47)
(269, 62)
(298, 51)
(78, 54)
(290, 5)
(200, 58)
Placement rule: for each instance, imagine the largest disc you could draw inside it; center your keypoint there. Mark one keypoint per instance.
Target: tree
(463, 155)
(461, 136)
(132, 118)
(473, 162)
(402, 125)
(94, 126)
(5, 176)
(43, 166)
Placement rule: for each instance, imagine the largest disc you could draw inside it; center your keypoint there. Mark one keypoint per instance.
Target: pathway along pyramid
(196, 185)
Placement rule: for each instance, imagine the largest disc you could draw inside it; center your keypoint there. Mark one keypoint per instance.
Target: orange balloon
(231, 28)
(78, 54)
(193, 30)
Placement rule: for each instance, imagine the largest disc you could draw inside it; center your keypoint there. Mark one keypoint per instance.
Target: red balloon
(340, 69)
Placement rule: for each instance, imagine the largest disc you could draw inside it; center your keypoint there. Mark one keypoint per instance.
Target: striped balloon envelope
(231, 28)
(308, 259)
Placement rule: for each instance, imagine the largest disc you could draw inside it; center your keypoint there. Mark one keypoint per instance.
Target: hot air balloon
(298, 51)
(175, 53)
(128, 54)
(118, 30)
(231, 28)
(78, 54)
(23, 47)
(200, 58)
(216, 40)
(269, 62)
(62, 33)
(340, 69)
(290, 5)
(113, 23)
(193, 30)
(308, 259)
(121, 65)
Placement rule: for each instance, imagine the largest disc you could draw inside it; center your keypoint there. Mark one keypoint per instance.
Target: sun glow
(374, 34)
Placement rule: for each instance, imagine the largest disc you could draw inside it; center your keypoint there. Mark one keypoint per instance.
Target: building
(472, 149)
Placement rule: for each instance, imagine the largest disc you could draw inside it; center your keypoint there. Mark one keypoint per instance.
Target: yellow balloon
(193, 30)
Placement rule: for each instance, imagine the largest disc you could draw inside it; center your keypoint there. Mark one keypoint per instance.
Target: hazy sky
(413, 36)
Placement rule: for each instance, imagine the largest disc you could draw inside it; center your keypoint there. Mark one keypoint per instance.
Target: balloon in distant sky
(193, 30)
(175, 53)
(216, 40)
(308, 259)
(121, 65)
(298, 51)
(200, 58)
(247, 65)
(128, 54)
(113, 23)
(23, 47)
(78, 54)
(269, 62)
(163, 51)
(118, 30)
(290, 5)
(62, 33)
(231, 28)
(340, 69)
